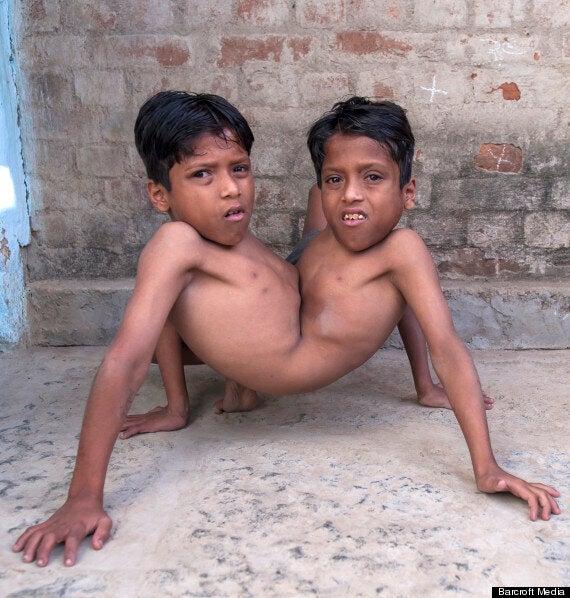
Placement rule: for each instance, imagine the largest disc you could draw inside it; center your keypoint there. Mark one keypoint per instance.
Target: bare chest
(350, 304)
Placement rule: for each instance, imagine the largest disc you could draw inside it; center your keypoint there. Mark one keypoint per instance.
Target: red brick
(320, 13)
(50, 89)
(266, 87)
(324, 88)
(263, 12)
(224, 86)
(89, 15)
(299, 46)
(383, 91)
(467, 261)
(37, 10)
(47, 51)
(552, 13)
(165, 51)
(549, 230)
(101, 161)
(491, 230)
(101, 88)
(236, 51)
(505, 158)
(441, 14)
(382, 84)
(510, 91)
(370, 42)
(171, 54)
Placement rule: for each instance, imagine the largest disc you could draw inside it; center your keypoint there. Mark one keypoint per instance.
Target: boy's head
(196, 151)
(384, 122)
(170, 122)
(362, 152)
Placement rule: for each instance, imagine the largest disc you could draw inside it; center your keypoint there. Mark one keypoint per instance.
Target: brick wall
(485, 83)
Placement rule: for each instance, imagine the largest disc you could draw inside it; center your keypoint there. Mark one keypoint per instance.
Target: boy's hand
(159, 419)
(538, 496)
(75, 520)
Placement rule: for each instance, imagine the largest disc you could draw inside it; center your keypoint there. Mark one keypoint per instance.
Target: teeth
(353, 217)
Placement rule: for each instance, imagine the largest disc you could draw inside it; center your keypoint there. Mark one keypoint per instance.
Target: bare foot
(437, 397)
(237, 398)
(159, 419)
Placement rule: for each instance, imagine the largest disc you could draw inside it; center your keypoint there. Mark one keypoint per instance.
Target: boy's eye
(241, 168)
(333, 180)
(199, 174)
(374, 177)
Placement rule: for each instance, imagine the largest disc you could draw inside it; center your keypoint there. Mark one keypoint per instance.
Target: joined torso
(240, 314)
(349, 304)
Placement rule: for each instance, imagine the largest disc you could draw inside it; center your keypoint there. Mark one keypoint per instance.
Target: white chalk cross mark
(433, 89)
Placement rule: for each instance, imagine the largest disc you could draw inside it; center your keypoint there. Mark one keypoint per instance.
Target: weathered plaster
(14, 221)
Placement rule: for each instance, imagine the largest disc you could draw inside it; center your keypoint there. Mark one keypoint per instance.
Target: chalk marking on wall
(500, 48)
(433, 89)
(501, 158)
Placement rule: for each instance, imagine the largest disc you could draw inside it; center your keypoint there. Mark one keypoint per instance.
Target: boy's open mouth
(353, 218)
(235, 214)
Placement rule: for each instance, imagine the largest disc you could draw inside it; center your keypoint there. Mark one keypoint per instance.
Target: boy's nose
(228, 186)
(352, 192)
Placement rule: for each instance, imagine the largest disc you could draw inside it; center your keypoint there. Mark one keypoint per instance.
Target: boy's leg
(237, 398)
(314, 216)
(429, 394)
(171, 354)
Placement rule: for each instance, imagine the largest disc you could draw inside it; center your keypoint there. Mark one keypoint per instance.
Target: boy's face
(212, 190)
(361, 195)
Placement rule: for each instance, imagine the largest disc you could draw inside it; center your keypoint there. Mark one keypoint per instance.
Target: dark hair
(385, 122)
(169, 122)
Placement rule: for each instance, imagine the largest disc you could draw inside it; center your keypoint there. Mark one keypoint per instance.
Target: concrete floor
(349, 491)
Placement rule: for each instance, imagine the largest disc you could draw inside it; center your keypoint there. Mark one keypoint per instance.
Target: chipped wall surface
(14, 224)
(485, 84)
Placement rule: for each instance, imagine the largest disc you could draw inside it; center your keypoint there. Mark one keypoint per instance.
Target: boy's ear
(158, 196)
(409, 192)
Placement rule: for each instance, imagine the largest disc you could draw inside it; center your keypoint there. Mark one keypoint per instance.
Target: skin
(235, 276)
(359, 272)
(172, 355)
(358, 277)
(429, 394)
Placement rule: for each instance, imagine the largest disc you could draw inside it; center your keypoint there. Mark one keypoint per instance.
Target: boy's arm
(415, 276)
(163, 271)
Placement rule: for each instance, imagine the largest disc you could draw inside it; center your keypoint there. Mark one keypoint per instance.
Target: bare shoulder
(172, 242)
(405, 238)
(175, 232)
(402, 246)
(409, 262)
(405, 259)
